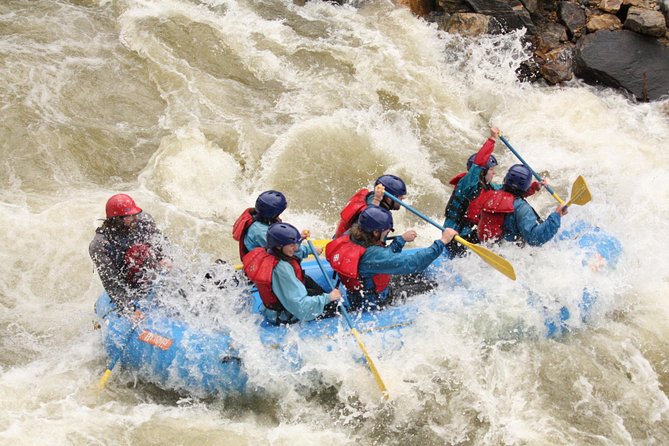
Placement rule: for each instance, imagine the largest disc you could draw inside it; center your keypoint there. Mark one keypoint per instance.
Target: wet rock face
(646, 21)
(556, 27)
(624, 59)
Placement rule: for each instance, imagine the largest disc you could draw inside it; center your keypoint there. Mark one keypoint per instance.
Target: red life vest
(258, 266)
(496, 205)
(356, 204)
(240, 228)
(344, 257)
(473, 213)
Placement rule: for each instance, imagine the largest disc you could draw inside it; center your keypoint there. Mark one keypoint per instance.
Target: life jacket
(240, 228)
(349, 215)
(141, 263)
(344, 257)
(457, 205)
(473, 213)
(258, 266)
(497, 204)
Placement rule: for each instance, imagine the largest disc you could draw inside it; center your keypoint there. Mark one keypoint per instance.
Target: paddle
(580, 194)
(372, 367)
(579, 191)
(499, 263)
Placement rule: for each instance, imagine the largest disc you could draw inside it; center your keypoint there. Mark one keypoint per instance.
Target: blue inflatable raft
(165, 350)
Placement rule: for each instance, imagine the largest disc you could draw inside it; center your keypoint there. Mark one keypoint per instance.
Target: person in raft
(506, 215)
(364, 198)
(250, 229)
(127, 251)
(365, 264)
(463, 209)
(287, 293)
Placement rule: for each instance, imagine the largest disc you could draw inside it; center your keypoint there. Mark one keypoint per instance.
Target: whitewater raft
(168, 352)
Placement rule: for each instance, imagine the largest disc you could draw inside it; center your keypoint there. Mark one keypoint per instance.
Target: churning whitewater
(194, 107)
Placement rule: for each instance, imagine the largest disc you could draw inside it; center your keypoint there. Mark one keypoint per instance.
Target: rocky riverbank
(623, 44)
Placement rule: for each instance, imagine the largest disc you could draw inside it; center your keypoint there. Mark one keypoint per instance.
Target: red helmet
(121, 205)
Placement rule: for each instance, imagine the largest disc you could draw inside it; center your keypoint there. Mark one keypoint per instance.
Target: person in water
(287, 293)
(507, 215)
(364, 198)
(127, 251)
(250, 228)
(365, 264)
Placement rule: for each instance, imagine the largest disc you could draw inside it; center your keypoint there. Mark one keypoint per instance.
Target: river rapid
(194, 107)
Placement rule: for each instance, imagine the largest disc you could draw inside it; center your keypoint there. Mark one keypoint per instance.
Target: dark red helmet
(120, 205)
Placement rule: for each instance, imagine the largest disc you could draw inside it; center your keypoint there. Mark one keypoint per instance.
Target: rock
(640, 3)
(421, 8)
(532, 6)
(550, 36)
(610, 5)
(619, 59)
(558, 66)
(468, 24)
(453, 6)
(573, 17)
(603, 21)
(646, 21)
(510, 13)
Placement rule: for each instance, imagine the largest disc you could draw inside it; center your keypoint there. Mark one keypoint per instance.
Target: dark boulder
(573, 17)
(511, 14)
(624, 59)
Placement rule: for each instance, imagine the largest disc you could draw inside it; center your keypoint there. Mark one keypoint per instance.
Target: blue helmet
(271, 203)
(393, 184)
(282, 234)
(492, 162)
(519, 177)
(375, 218)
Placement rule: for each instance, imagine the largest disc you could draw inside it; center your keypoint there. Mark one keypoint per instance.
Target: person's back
(507, 215)
(463, 207)
(364, 198)
(288, 295)
(365, 263)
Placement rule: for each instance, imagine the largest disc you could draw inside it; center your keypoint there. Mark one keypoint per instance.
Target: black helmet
(519, 177)
(393, 184)
(271, 204)
(282, 234)
(375, 218)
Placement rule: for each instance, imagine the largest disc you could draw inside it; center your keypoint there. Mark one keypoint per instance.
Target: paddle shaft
(492, 259)
(372, 367)
(536, 175)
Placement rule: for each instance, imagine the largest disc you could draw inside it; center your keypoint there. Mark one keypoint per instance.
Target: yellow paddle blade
(372, 367)
(499, 263)
(104, 379)
(580, 194)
